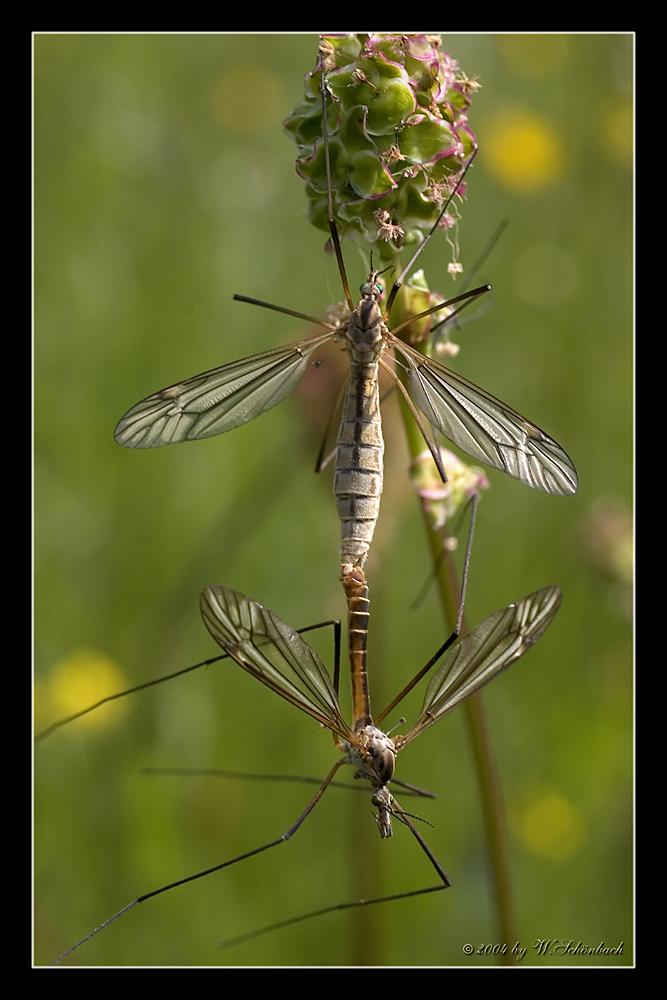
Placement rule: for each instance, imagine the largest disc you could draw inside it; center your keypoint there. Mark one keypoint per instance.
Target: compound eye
(384, 762)
(372, 288)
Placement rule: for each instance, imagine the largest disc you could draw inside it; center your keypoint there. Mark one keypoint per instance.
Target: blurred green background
(164, 184)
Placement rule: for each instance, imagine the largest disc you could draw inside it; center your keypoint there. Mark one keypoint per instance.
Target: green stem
(487, 774)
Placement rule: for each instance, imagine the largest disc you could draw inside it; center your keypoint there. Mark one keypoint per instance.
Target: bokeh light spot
(80, 679)
(550, 825)
(522, 151)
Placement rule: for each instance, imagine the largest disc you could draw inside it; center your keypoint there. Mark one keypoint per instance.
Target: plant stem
(487, 774)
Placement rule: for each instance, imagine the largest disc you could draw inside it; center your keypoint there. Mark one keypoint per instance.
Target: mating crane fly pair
(483, 427)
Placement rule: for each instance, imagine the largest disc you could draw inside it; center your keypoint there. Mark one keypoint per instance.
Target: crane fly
(482, 426)
(278, 656)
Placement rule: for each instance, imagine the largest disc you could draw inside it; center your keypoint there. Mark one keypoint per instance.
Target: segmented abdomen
(358, 477)
(358, 613)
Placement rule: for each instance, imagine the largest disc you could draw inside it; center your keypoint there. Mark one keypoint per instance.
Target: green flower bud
(398, 136)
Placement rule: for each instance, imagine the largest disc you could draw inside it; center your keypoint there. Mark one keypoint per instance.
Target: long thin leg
(416, 416)
(282, 309)
(422, 245)
(474, 499)
(232, 942)
(332, 223)
(322, 462)
(121, 694)
(304, 779)
(466, 298)
(396, 810)
(475, 268)
(186, 670)
(452, 638)
(209, 871)
(444, 884)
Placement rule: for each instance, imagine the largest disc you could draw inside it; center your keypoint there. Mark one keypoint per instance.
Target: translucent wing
(491, 647)
(485, 428)
(273, 653)
(218, 400)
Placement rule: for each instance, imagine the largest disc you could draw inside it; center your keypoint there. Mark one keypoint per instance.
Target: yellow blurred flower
(550, 825)
(79, 680)
(522, 151)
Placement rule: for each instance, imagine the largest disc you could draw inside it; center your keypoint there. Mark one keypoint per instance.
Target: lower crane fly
(279, 657)
(483, 427)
